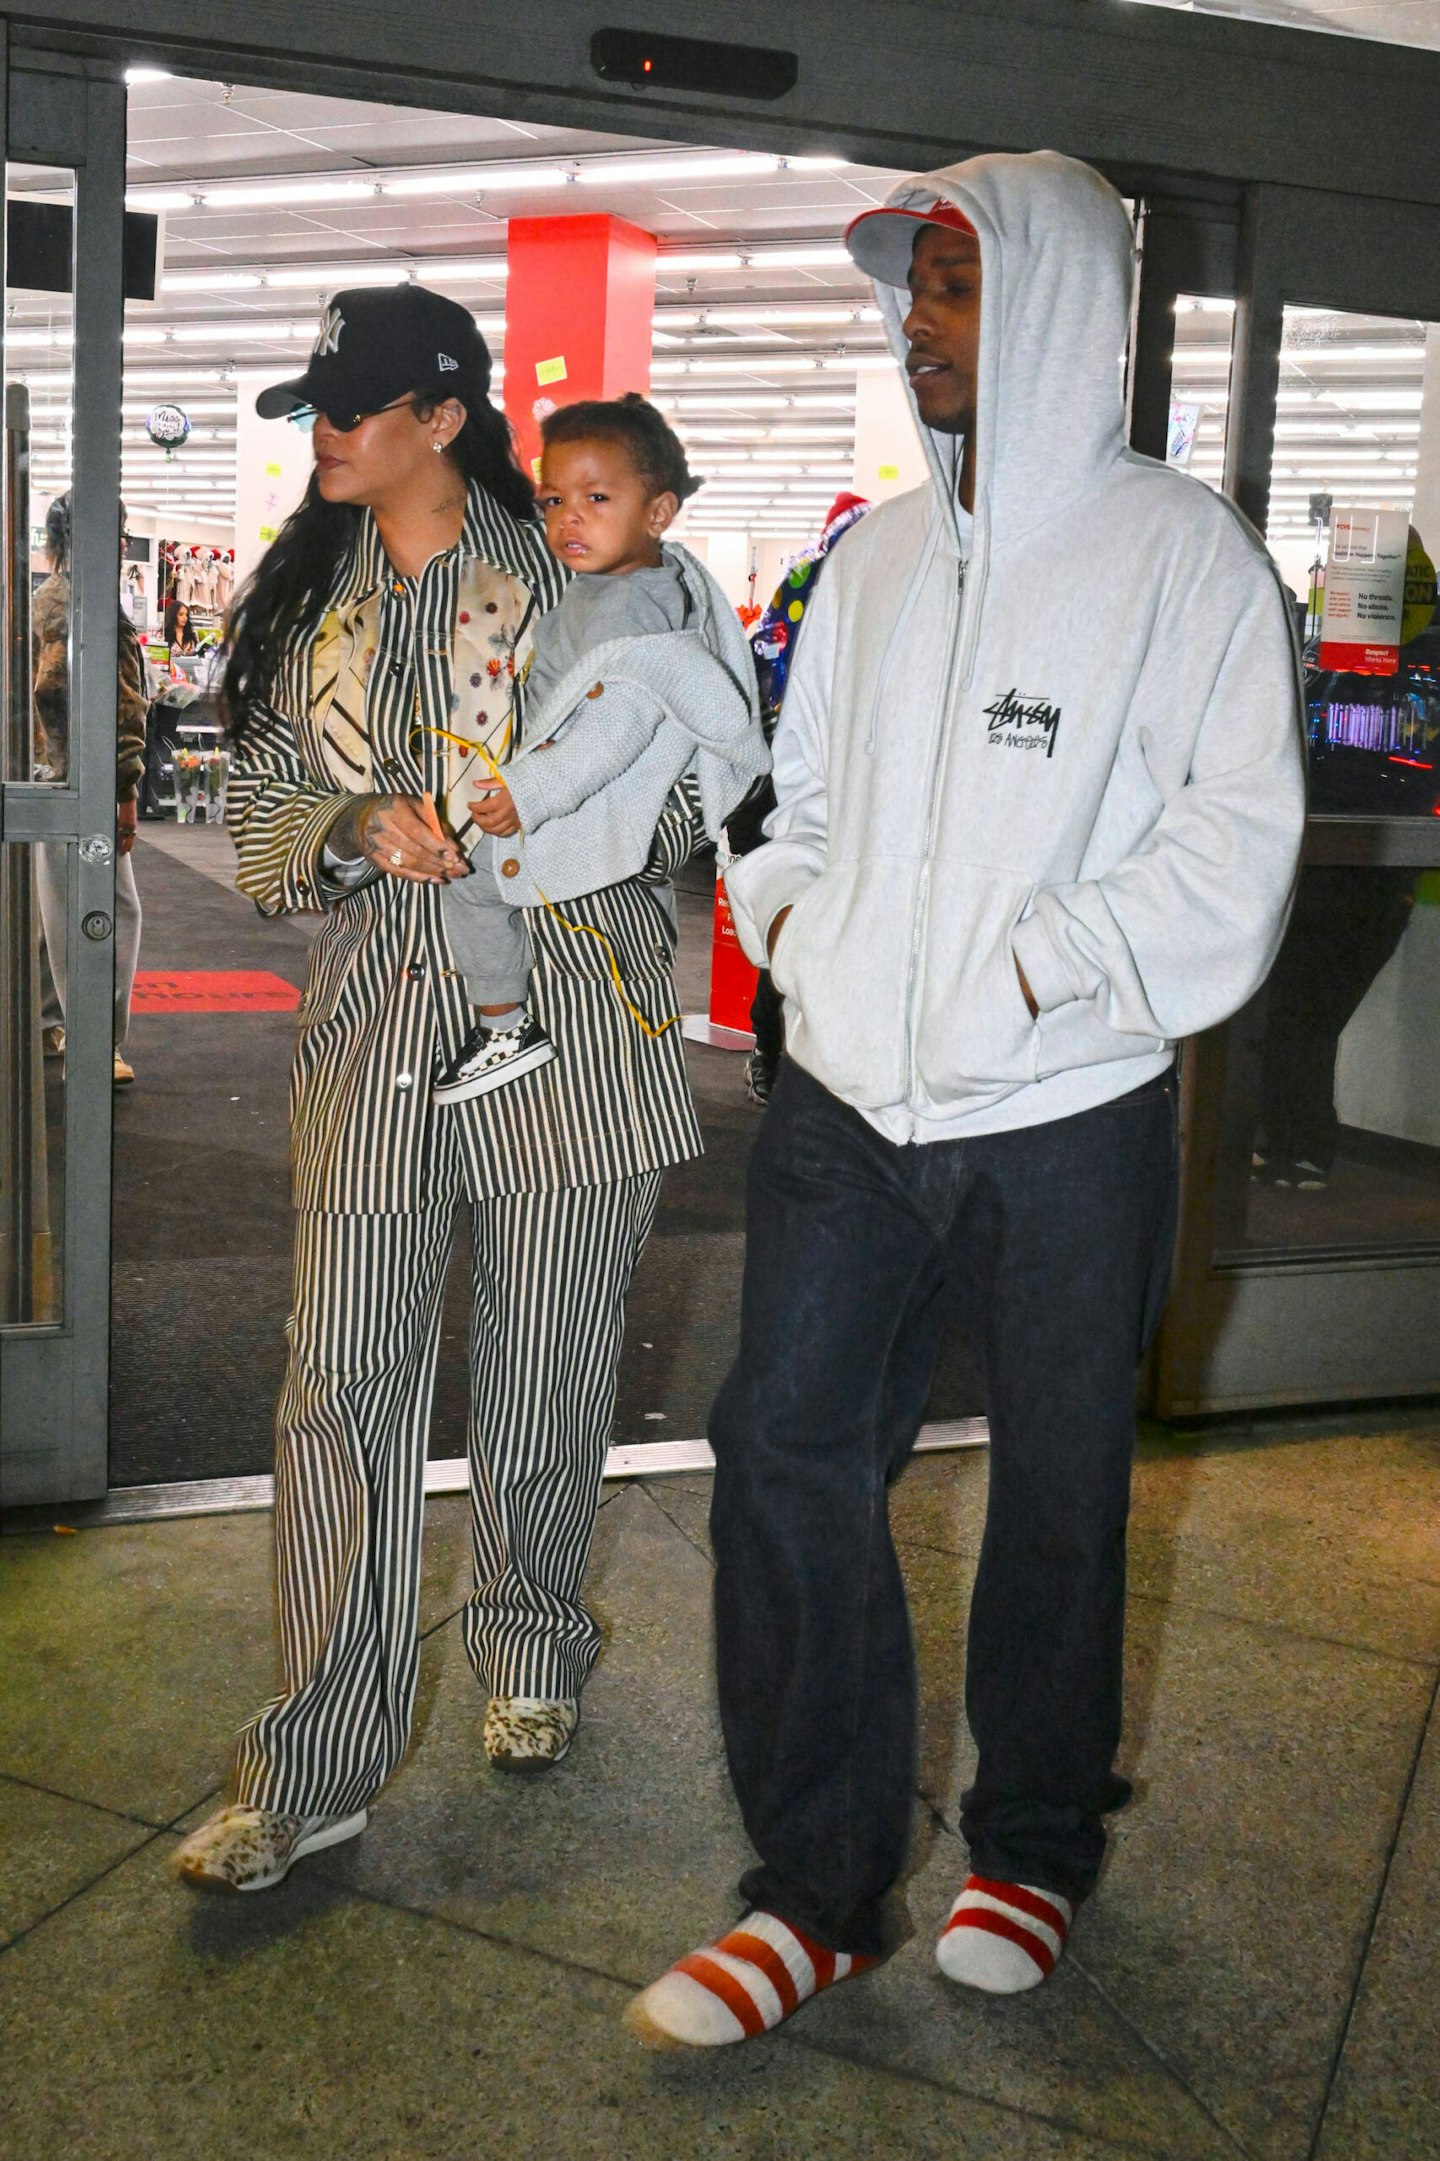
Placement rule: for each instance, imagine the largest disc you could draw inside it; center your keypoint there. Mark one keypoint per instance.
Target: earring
(437, 446)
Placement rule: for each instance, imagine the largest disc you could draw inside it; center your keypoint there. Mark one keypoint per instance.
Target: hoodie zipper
(922, 899)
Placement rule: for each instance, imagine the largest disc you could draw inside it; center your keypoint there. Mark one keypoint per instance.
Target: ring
(396, 858)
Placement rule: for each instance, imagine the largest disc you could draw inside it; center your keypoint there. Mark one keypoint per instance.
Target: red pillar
(579, 310)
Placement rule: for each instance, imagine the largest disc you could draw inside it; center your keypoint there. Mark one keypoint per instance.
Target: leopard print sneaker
(249, 1849)
(529, 1733)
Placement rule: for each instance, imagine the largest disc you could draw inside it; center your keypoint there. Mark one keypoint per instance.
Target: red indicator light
(1426, 765)
(646, 66)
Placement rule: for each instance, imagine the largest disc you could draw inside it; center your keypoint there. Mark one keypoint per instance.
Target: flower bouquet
(189, 784)
(217, 785)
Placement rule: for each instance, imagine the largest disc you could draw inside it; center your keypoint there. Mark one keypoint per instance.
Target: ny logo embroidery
(332, 322)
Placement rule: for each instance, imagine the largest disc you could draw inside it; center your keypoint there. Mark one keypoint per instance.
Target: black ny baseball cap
(378, 341)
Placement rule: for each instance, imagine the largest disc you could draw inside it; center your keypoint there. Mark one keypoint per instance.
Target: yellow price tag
(272, 472)
(551, 371)
(267, 533)
(887, 472)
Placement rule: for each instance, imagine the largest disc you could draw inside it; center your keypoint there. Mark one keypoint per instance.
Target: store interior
(768, 356)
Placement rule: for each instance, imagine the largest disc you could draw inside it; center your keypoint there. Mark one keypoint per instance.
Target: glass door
(64, 234)
(1309, 1267)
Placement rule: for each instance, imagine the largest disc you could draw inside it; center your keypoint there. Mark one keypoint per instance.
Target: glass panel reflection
(39, 371)
(1335, 1070)
(1204, 331)
(1354, 526)
(33, 885)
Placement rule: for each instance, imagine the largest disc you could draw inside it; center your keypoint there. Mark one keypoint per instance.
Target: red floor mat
(229, 990)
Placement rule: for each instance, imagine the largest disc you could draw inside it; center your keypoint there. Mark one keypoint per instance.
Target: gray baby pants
(488, 938)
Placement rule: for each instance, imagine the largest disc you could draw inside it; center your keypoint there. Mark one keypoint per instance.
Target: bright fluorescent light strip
(210, 281)
(1300, 356)
(648, 171)
(1360, 401)
(278, 194)
(763, 402)
(741, 318)
(240, 329)
(717, 259)
(327, 277)
(324, 278)
(523, 178)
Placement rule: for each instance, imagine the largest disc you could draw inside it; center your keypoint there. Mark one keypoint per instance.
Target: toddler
(640, 675)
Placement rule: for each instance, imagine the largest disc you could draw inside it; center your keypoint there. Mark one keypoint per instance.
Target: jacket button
(392, 765)
(597, 692)
(509, 868)
(415, 970)
(302, 885)
(397, 667)
(404, 1080)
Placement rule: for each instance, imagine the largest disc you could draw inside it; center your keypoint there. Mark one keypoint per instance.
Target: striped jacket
(384, 1007)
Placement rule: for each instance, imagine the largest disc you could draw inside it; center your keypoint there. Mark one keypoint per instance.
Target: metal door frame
(54, 1381)
(1285, 1331)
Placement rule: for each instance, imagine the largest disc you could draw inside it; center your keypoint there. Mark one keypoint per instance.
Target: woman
(395, 613)
(178, 635)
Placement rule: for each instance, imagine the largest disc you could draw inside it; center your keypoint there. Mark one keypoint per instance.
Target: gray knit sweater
(618, 729)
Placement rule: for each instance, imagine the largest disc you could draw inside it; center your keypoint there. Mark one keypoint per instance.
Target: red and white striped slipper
(746, 1983)
(1003, 1937)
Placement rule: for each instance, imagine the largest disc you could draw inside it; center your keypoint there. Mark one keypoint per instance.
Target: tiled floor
(1256, 1976)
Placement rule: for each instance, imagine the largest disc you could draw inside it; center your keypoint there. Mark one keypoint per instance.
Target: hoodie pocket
(974, 1032)
(842, 960)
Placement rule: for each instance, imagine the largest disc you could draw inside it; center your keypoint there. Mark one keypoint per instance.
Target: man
(1040, 798)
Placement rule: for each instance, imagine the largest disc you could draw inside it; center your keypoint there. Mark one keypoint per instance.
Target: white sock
(1003, 1937)
(501, 1023)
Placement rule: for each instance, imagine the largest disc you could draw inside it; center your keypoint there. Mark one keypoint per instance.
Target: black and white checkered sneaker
(491, 1058)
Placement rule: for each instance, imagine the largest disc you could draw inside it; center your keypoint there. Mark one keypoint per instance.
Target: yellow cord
(586, 930)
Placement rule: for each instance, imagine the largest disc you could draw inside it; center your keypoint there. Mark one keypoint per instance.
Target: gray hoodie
(1089, 760)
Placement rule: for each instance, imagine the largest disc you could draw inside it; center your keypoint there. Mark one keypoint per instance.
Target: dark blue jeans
(1055, 1243)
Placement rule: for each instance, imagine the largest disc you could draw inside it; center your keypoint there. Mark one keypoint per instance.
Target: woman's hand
(392, 833)
(494, 811)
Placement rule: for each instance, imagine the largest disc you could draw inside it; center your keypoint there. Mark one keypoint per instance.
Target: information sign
(1364, 591)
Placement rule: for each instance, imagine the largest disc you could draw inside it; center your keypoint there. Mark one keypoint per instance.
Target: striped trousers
(551, 1271)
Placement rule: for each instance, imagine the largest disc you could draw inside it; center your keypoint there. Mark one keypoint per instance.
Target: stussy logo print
(1020, 720)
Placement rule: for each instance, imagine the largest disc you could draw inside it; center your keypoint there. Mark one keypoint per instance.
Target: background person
(50, 650)
(178, 634)
(413, 564)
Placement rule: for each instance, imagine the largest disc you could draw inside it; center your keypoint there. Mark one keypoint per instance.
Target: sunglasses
(304, 417)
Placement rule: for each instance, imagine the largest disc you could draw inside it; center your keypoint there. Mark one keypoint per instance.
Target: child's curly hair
(654, 448)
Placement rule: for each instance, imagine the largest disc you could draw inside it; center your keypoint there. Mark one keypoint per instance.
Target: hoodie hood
(1057, 260)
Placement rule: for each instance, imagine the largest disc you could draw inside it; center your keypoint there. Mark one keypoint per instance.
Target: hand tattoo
(369, 819)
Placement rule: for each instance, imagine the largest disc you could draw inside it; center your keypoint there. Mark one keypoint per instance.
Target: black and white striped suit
(561, 1171)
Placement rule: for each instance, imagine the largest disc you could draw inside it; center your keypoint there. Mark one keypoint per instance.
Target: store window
(1335, 1070)
(39, 374)
(1199, 392)
(34, 879)
(33, 885)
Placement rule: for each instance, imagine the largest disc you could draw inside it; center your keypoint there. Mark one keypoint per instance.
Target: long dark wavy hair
(285, 598)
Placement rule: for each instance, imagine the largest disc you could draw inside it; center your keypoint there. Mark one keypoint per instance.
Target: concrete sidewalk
(1256, 1976)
